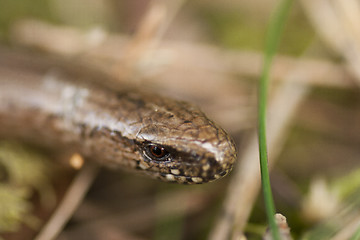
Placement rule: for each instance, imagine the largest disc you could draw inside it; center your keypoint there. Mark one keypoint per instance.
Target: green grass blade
(272, 42)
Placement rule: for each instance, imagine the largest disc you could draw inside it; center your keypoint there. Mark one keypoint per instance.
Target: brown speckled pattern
(54, 107)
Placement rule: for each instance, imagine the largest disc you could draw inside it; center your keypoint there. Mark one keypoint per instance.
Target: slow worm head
(124, 128)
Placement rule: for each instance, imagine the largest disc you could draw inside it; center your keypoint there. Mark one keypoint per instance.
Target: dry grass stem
(177, 56)
(69, 41)
(143, 45)
(349, 12)
(72, 199)
(348, 229)
(337, 23)
(138, 219)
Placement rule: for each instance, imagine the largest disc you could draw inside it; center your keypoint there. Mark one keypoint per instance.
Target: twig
(70, 202)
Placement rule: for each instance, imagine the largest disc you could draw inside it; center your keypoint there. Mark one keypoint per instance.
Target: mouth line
(192, 179)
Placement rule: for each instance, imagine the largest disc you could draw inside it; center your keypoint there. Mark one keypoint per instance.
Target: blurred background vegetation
(316, 177)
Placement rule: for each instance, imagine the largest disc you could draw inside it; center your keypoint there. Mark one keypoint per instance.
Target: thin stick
(72, 199)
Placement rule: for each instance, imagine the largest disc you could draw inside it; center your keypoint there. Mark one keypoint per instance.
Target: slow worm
(70, 108)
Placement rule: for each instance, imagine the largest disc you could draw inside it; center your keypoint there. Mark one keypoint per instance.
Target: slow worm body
(65, 108)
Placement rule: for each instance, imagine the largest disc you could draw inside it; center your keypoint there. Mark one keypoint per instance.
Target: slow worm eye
(156, 152)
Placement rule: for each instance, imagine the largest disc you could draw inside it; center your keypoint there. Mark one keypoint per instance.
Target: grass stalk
(272, 41)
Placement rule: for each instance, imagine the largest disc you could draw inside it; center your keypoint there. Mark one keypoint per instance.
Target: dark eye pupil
(157, 151)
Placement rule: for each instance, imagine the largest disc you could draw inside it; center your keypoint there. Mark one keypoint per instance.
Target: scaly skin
(68, 108)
